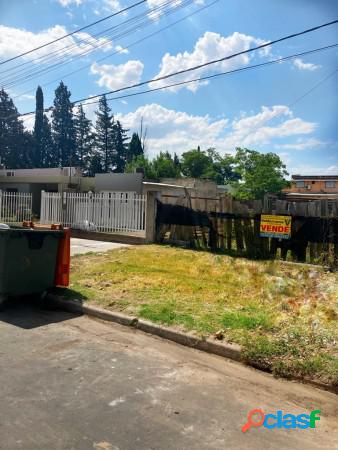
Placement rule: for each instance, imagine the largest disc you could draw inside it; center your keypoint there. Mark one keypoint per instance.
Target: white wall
(40, 172)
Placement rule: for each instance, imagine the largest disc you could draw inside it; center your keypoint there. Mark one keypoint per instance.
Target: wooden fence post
(151, 216)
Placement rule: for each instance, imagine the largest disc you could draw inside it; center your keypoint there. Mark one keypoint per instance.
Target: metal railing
(15, 207)
(102, 212)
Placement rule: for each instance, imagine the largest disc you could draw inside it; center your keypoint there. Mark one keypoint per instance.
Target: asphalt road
(70, 382)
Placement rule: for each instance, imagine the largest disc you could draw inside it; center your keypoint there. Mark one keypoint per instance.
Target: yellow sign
(275, 226)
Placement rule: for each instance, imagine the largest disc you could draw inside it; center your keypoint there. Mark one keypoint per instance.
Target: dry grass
(284, 316)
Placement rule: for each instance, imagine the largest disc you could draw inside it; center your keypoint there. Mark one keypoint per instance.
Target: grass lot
(284, 316)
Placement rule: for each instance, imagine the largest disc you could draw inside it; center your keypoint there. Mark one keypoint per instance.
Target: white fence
(15, 207)
(104, 212)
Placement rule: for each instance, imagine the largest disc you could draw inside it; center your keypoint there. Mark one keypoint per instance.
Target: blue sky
(258, 109)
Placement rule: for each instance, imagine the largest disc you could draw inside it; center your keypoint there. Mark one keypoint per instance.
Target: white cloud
(15, 41)
(25, 97)
(209, 47)
(66, 3)
(302, 144)
(178, 131)
(121, 50)
(28, 122)
(306, 169)
(257, 129)
(113, 5)
(115, 77)
(300, 64)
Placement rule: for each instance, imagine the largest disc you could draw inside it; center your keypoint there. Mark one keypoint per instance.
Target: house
(312, 187)
(34, 181)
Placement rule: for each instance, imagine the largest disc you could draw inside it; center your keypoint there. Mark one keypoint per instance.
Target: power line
(74, 32)
(313, 88)
(51, 56)
(234, 55)
(124, 47)
(29, 75)
(230, 72)
(208, 77)
(199, 66)
(25, 75)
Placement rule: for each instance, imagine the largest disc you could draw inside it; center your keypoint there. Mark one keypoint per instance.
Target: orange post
(28, 224)
(63, 258)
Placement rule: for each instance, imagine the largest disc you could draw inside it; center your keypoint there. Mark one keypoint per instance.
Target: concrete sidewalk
(82, 246)
(70, 382)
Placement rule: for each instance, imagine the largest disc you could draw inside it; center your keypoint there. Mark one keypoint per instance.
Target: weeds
(284, 316)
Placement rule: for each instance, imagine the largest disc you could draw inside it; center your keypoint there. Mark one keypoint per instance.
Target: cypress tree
(63, 127)
(134, 148)
(38, 129)
(105, 136)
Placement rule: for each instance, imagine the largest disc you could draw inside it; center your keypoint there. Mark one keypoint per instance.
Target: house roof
(315, 177)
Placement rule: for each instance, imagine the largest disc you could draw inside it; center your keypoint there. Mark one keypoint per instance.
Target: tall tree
(84, 138)
(105, 136)
(164, 166)
(134, 148)
(260, 174)
(120, 146)
(177, 162)
(195, 163)
(38, 129)
(63, 127)
(142, 162)
(49, 156)
(43, 154)
(15, 143)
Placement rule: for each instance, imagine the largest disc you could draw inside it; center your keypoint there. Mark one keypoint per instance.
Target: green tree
(84, 138)
(120, 147)
(105, 136)
(95, 165)
(43, 150)
(63, 127)
(49, 156)
(195, 163)
(38, 129)
(16, 145)
(134, 148)
(260, 174)
(164, 166)
(177, 162)
(141, 162)
(220, 169)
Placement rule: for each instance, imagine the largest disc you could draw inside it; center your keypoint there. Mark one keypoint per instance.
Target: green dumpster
(28, 260)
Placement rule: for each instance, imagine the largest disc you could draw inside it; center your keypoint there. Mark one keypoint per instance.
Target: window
(10, 174)
(330, 184)
(300, 184)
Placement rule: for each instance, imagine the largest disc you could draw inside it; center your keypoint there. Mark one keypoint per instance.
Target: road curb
(226, 350)
(231, 351)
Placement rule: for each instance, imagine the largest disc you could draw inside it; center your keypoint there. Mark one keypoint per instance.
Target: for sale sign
(275, 226)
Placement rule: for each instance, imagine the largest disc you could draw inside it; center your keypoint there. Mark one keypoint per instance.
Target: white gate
(15, 207)
(104, 212)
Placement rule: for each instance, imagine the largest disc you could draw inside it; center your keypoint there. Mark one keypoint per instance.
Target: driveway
(70, 382)
(81, 246)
